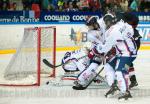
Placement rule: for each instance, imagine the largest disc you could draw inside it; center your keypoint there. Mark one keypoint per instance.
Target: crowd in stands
(75, 5)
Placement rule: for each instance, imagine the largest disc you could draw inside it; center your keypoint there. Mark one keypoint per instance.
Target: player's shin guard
(110, 74)
(122, 79)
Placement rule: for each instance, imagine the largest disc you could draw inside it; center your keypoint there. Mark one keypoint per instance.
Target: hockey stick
(46, 62)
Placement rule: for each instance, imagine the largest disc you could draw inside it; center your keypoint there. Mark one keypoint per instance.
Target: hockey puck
(47, 82)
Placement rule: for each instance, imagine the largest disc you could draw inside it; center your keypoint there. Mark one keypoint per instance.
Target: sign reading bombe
(17, 17)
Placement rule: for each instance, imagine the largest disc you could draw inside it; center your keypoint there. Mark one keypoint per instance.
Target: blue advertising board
(143, 16)
(144, 30)
(29, 16)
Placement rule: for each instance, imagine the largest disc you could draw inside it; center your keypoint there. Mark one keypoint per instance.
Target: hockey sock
(122, 81)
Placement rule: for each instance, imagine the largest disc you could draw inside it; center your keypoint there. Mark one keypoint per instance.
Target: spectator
(134, 6)
(13, 6)
(84, 5)
(94, 5)
(1, 4)
(26, 4)
(129, 3)
(65, 5)
(60, 5)
(124, 5)
(147, 6)
(72, 7)
(5, 5)
(45, 5)
(142, 5)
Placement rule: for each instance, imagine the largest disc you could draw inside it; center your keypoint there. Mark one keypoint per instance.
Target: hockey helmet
(131, 19)
(92, 22)
(109, 20)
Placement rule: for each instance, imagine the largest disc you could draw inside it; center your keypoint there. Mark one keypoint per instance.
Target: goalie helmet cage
(26, 67)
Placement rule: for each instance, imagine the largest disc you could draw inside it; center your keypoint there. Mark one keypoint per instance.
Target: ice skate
(112, 90)
(78, 86)
(125, 96)
(133, 84)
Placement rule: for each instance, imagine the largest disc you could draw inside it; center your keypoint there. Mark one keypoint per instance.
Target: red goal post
(26, 67)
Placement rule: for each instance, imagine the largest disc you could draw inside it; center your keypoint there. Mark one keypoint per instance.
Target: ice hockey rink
(64, 94)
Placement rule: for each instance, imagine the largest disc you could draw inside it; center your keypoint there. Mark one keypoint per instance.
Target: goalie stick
(46, 62)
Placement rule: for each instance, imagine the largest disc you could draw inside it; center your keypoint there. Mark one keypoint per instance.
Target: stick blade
(48, 63)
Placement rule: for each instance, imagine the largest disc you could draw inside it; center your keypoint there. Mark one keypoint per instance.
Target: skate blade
(124, 99)
(114, 95)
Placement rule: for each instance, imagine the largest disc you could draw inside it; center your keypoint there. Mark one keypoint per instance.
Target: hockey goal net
(26, 67)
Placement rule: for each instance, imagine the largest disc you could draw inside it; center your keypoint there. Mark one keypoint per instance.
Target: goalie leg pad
(87, 75)
(110, 74)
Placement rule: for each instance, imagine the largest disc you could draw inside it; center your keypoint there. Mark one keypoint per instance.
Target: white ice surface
(51, 94)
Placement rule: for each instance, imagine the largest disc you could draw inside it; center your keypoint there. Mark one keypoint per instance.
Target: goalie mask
(92, 23)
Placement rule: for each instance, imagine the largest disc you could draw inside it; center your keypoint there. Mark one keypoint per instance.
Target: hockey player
(133, 21)
(76, 60)
(87, 75)
(120, 36)
(93, 37)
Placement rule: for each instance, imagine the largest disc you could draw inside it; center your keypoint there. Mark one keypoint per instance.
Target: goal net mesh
(26, 66)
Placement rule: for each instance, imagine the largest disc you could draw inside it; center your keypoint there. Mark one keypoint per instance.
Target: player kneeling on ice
(76, 60)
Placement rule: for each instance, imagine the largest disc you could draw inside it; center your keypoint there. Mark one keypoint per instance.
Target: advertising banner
(144, 30)
(67, 16)
(50, 16)
(143, 16)
(17, 17)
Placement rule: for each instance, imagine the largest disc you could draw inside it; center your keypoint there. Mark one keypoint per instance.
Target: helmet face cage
(109, 20)
(92, 22)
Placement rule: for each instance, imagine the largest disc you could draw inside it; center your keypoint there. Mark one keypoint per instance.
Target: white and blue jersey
(120, 37)
(76, 60)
